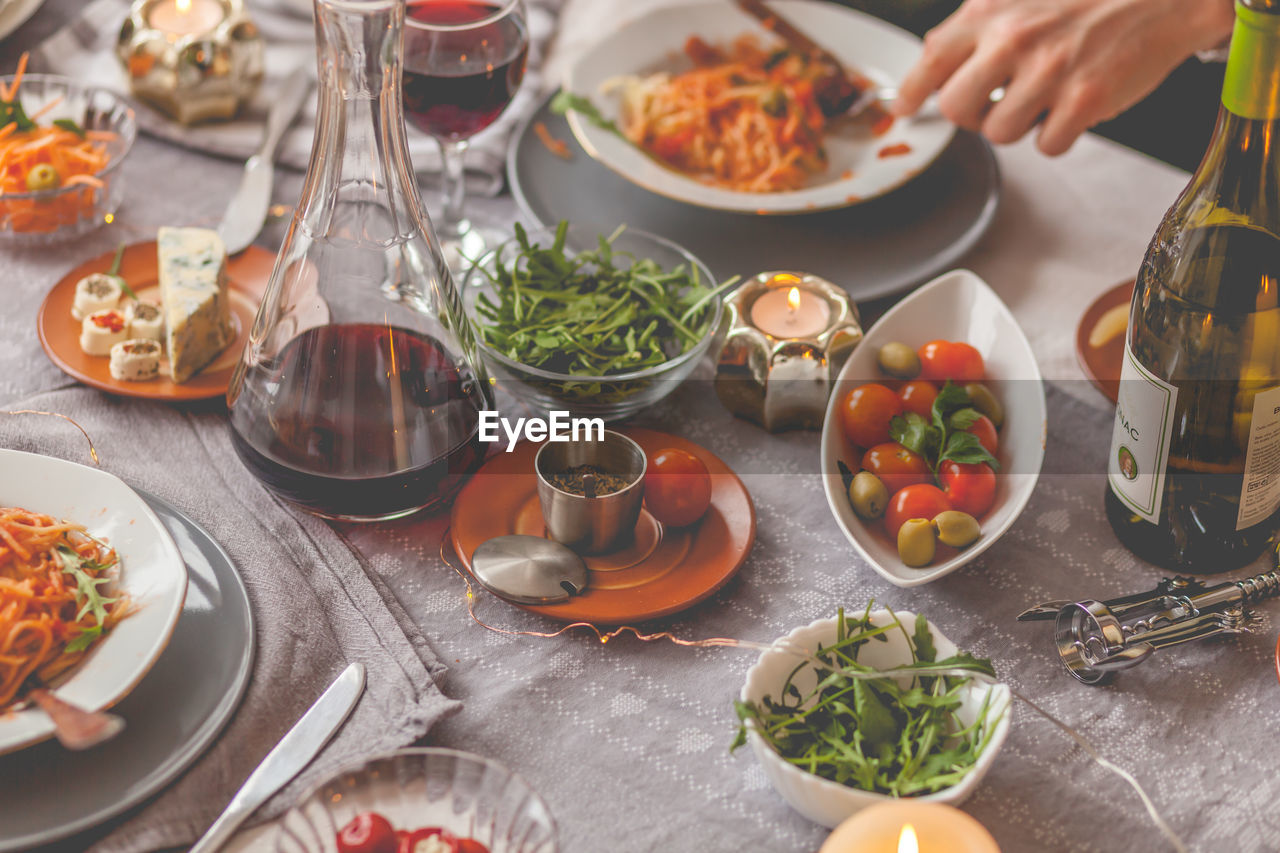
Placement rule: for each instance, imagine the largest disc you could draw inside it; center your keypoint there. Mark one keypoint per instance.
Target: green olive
(899, 360)
(917, 543)
(957, 529)
(984, 401)
(868, 495)
(42, 177)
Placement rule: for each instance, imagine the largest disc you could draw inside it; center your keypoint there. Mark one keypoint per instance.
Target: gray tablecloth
(628, 742)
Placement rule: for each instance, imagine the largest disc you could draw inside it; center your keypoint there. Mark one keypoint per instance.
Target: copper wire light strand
(93, 451)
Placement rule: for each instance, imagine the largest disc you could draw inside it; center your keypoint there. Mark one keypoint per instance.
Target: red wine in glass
(363, 422)
(464, 60)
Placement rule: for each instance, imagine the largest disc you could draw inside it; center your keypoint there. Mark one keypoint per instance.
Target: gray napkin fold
(316, 609)
(85, 50)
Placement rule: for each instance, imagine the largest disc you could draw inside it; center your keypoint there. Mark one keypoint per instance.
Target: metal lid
(529, 569)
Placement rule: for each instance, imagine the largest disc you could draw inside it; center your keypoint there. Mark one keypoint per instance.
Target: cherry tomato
(896, 466)
(677, 487)
(368, 833)
(971, 487)
(985, 430)
(866, 413)
(470, 845)
(922, 500)
(952, 360)
(409, 841)
(917, 396)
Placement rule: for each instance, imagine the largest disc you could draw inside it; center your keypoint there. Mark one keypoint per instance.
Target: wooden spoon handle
(75, 727)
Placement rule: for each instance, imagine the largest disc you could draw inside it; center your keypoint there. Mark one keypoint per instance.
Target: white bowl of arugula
(600, 325)
(833, 736)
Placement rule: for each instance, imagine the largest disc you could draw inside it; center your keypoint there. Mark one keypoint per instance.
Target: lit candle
(185, 17)
(790, 312)
(910, 826)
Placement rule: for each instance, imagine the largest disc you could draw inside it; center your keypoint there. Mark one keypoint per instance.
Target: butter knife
(294, 752)
(248, 208)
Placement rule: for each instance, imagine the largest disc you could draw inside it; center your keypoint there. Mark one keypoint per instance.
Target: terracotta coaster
(60, 332)
(1101, 361)
(663, 570)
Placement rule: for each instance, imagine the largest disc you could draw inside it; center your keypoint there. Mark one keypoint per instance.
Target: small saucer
(662, 570)
(1101, 362)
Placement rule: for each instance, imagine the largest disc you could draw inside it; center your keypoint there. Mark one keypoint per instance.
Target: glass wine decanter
(358, 395)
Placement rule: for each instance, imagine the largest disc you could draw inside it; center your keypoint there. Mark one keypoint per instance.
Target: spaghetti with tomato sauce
(54, 601)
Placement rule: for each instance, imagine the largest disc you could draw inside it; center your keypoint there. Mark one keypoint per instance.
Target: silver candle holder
(193, 60)
(778, 379)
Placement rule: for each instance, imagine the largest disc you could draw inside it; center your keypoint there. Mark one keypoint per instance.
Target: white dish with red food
(959, 328)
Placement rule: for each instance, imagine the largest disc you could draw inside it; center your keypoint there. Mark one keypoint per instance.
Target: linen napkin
(85, 50)
(316, 609)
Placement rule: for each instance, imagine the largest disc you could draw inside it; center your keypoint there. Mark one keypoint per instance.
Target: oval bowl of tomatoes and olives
(934, 434)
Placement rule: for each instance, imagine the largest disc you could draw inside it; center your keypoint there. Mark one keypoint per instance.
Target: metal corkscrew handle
(1097, 638)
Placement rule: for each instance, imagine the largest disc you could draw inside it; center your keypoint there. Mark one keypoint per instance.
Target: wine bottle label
(1140, 438)
(1260, 494)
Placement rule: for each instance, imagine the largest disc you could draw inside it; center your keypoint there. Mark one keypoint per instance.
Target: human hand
(1065, 64)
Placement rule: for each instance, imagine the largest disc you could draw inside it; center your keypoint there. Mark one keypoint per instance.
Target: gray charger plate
(877, 248)
(175, 712)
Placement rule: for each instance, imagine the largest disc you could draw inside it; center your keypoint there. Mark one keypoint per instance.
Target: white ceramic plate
(957, 306)
(655, 41)
(14, 13)
(153, 576)
(829, 803)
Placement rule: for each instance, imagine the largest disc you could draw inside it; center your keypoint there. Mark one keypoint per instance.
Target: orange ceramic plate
(60, 332)
(1102, 363)
(664, 570)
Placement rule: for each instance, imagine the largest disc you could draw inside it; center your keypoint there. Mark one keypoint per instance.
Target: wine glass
(464, 61)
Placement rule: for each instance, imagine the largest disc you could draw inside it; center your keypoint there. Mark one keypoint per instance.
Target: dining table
(629, 741)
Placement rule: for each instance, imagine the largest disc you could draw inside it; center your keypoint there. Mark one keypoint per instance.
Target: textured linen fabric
(628, 741)
(85, 50)
(316, 610)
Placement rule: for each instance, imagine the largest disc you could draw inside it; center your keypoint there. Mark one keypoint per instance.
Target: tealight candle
(185, 17)
(909, 826)
(790, 312)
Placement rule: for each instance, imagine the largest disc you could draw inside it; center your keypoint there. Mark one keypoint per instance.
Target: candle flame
(184, 6)
(907, 842)
(793, 298)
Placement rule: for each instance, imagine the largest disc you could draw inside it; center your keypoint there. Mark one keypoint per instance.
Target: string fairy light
(784, 646)
(93, 451)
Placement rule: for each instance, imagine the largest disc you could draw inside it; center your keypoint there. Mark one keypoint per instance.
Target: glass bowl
(94, 109)
(610, 397)
(470, 796)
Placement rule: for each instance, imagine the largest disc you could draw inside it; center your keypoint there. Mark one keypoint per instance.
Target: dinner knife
(248, 208)
(294, 752)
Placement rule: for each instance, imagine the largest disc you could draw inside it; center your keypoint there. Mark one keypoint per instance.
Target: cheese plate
(59, 331)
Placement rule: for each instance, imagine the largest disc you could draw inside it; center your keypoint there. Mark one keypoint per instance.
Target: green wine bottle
(1194, 470)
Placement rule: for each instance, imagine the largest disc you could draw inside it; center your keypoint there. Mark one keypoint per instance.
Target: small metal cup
(591, 525)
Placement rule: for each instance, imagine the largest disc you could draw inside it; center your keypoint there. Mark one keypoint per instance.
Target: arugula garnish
(862, 728)
(69, 124)
(944, 437)
(12, 111)
(89, 597)
(564, 101)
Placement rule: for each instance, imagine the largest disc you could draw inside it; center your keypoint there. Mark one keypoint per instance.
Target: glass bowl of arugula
(835, 735)
(599, 325)
(62, 144)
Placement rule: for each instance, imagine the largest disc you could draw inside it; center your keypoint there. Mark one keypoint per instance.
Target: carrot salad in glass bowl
(61, 146)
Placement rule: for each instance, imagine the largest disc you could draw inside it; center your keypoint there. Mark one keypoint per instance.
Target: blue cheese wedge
(136, 360)
(193, 288)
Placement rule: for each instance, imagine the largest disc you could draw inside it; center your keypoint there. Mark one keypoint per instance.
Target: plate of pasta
(700, 103)
(91, 587)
